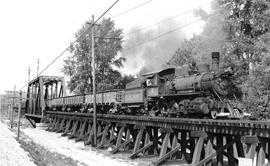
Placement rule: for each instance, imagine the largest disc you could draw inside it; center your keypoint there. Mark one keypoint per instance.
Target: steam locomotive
(187, 91)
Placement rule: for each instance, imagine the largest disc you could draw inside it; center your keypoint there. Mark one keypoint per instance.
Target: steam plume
(151, 52)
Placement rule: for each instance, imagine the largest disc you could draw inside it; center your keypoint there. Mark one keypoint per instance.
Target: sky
(42, 29)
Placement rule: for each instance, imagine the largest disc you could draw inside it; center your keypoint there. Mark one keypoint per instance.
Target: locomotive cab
(157, 82)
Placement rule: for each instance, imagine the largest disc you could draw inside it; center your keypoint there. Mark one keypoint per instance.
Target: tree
(183, 55)
(124, 80)
(247, 25)
(240, 30)
(246, 22)
(212, 38)
(77, 66)
(259, 87)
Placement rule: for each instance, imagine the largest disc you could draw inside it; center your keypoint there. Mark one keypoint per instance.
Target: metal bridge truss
(40, 89)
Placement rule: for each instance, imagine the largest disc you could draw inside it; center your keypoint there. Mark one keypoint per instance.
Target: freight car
(188, 91)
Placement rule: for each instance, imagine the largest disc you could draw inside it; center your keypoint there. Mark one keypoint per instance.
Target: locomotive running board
(179, 94)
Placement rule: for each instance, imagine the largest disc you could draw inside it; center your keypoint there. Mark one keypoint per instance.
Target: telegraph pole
(29, 70)
(1, 108)
(94, 143)
(94, 138)
(37, 66)
(8, 105)
(19, 116)
(12, 109)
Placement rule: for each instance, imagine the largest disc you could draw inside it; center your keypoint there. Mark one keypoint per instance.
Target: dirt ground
(40, 155)
(43, 157)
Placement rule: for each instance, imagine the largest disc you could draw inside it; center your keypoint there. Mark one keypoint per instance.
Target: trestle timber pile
(189, 113)
(198, 141)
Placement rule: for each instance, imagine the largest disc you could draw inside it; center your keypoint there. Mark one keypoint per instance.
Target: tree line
(239, 30)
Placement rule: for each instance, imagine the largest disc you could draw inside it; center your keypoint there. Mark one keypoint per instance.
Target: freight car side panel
(134, 96)
(74, 100)
(89, 98)
(109, 97)
(119, 97)
(99, 98)
(106, 97)
(57, 102)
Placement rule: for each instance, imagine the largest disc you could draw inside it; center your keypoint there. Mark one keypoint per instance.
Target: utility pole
(19, 117)
(1, 109)
(8, 104)
(12, 109)
(29, 70)
(94, 143)
(37, 66)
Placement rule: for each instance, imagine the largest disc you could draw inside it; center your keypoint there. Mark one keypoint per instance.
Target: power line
(37, 66)
(166, 33)
(178, 15)
(133, 8)
(62, 53)
(29, 73)
(173, 30)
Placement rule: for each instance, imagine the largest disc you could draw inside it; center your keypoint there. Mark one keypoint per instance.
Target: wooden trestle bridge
(196, 141)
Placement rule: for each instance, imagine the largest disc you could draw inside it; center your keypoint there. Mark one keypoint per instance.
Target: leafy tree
(247, 25)
(183, 54)
(77, 66)
(259, 87)
(239, 29)
(124, 80)
(246, 22)
(212, 38)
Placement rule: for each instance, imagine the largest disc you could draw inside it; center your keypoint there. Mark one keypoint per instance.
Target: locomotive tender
(187, 91)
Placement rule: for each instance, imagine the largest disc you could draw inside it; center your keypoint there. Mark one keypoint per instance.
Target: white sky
(32, 29)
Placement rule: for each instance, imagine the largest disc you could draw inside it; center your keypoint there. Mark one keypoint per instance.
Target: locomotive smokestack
(215, 61)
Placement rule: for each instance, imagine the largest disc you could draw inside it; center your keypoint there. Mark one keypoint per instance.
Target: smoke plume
(149, 50)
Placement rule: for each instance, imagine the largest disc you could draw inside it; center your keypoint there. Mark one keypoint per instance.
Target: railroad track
(223, 126)
(197, 141)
